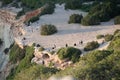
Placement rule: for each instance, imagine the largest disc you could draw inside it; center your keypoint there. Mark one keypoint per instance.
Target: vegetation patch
(20, 13)
(100, 36)
(49, 9)
(87, 7)
(117, 32)
(70, 53)
(108, 37)
(16, 54)
(101, 13)
(117, 20)
(75, 18)
(90, 20)
(48, 29)
(93, 63)
(23, 57)
(36, 72)
(73, 4)
(115, 43)
(91, 46)
(34, 19)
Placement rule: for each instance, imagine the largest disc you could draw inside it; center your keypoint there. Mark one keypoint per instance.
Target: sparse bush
(26, 61)
(49, 9)
(115, 43)
(16, 53)
(48, 29)
(20, 13)
(75, 18)
(91, 46)
(117, 20)
(70, 53)
(34, 19)
(90, 20)
(108, 37)
(41, 49)
(117, 31)
(32, 4)
(73, 4)
(100, 36)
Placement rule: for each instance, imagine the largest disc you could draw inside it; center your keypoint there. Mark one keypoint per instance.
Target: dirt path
(67, 33)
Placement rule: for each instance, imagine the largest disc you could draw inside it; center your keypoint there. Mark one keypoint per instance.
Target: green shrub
(117, 20)
(20, 13)
(34, 19)
(92, 66)
(90, 20)
(41, 49)
(16, 53)
(75, 18)
(49, 9)
(100, 13)
(115, 43)
(11, 74)
(91, 46)
(100, 36)
(117, 31)
(48, 29)
(26, 61)
(73, 4)
(108, 37)
(32, 4)
(70, 53)
(105, 11)
(87, 7)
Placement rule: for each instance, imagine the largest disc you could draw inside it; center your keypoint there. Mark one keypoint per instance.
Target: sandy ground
(67, 33)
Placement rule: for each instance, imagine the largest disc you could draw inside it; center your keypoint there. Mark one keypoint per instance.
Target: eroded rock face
(7, 38)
